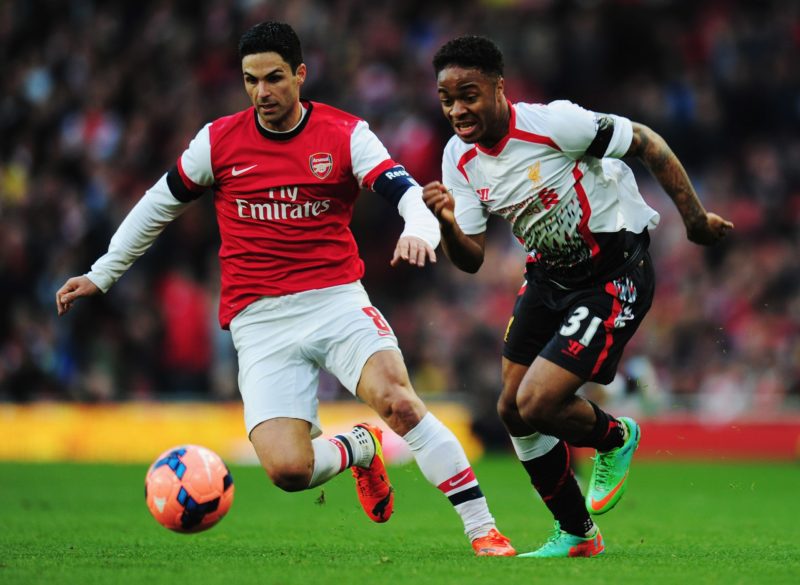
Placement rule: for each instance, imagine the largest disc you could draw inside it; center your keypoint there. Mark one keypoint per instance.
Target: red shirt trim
(191, 185)
(583, 226)
(371, 177)
(465, 158)
(516, 133)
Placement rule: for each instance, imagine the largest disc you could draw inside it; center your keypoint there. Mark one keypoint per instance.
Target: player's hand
(413, 250)
(75, 288)
(710, 231)
(439, 200)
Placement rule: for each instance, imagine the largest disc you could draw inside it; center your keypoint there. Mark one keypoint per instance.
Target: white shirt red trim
(539, 178)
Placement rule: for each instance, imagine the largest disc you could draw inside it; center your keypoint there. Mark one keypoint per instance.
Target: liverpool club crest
(321, 164)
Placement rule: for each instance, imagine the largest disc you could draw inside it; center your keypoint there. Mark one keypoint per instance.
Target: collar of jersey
(283, 136)
(512, 124)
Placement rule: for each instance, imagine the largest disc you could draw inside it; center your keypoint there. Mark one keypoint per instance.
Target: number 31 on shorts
(572, 325)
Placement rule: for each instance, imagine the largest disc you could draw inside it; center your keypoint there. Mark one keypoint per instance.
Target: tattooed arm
(702, 227)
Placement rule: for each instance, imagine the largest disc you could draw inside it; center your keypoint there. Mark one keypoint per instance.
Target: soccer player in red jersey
(285, 175)
(553, 171)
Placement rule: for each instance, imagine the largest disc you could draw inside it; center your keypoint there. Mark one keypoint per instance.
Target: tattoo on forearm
(667, 169)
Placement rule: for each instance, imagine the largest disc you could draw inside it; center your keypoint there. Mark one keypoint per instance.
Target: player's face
(474, 104)
(274, 89)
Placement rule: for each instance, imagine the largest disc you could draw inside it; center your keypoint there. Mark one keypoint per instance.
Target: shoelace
(365, 484)
(496, 539)
(603, 464)
(363, 481)
(556, 535)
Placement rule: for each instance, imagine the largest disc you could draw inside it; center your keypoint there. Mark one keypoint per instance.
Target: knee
(507, 409)
(400, 407)
(538, 408)
(289, 476)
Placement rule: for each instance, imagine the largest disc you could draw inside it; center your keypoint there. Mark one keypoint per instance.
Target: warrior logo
(321, 164)
(574, 347)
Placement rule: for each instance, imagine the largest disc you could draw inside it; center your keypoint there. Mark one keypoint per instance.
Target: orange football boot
(493, 544)
(372, 483)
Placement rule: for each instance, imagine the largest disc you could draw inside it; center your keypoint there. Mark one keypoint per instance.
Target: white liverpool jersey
(572, 211)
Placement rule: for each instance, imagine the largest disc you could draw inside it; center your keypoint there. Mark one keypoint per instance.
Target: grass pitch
(678, 523)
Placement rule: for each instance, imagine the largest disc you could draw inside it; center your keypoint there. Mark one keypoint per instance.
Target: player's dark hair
(272, 37)
(470, 52)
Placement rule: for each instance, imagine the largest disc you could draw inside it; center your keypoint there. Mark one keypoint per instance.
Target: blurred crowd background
(99, 98)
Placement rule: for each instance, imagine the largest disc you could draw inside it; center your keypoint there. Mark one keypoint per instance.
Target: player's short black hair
(272, 37)
(470, 52)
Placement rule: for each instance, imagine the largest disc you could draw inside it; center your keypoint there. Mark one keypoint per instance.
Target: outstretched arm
(134, 236)
(702, 227)
(466, 252)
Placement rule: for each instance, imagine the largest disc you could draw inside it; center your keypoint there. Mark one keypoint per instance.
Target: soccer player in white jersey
(553, 171)
(285, 175)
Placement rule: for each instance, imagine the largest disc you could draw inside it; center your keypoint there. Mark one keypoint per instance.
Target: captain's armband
(393, 183)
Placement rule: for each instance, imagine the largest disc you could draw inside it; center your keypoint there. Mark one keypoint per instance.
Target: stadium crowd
(97, 100)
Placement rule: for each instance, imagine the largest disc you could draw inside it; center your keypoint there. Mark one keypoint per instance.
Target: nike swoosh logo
(160, 503)
(236, 172)
(460, 479)
(598, 504)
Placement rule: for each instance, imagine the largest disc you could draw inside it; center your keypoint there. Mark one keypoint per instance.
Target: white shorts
(282, 342)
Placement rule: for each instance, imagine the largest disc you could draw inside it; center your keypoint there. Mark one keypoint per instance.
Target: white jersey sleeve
(195, 161)
(574, 129)
(471, 215)
(366, 151)
(136, 233)
(368, 156)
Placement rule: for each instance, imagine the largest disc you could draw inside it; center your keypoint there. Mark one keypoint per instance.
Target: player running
(285, 174)
(553, 172)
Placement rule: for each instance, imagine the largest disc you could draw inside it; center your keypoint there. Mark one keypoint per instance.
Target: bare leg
(547, 402)
(283, 446)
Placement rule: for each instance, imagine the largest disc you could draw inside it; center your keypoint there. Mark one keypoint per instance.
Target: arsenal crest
(321, 164)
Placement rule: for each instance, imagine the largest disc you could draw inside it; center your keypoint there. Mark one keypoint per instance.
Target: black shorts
(585, 330)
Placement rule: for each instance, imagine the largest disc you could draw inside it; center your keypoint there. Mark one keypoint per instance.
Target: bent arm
(465, 251)
(649, 147)
(417, 243)
(377, 171)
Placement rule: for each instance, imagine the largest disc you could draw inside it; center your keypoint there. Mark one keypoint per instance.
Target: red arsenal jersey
(284, 201)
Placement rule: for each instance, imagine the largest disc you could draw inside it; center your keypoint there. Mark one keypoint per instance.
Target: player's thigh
(545, 387)
(599, 322)
(385, 387)
(383, 377)
(358, 346)
(283, 444)
(352, 332)
(512, 374)
(276, 378)
(530, 328)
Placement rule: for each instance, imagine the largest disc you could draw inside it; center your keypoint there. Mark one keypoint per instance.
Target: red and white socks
(334, 455)
(442, 460)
